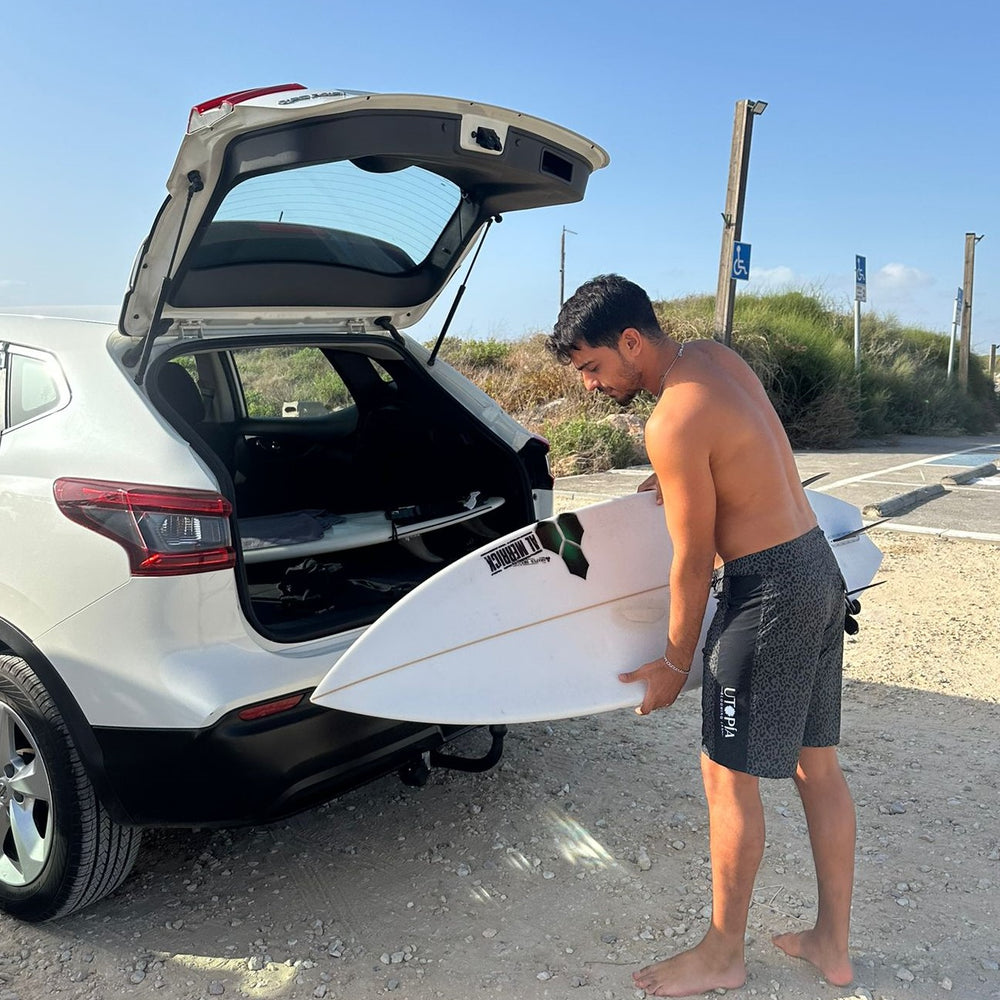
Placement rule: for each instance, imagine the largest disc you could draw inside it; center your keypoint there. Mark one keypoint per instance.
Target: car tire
(59, 848)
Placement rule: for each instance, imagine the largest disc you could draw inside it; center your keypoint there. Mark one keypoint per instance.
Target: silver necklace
(663, 378)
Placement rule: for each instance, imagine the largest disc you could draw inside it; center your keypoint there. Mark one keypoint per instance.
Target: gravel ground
(583, 855)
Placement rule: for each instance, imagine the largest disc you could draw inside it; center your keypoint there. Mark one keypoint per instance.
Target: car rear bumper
(239, 772)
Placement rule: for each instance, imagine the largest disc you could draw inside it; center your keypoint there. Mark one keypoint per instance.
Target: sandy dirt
(583, 855)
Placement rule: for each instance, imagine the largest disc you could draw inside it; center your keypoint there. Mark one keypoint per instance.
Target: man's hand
(651, 484)
(663, 685)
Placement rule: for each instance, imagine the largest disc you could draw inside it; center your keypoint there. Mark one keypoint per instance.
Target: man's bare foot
(699, 970)
(834, 963)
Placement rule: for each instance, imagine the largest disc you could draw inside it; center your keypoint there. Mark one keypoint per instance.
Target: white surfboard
(356, 531)
(538, 624)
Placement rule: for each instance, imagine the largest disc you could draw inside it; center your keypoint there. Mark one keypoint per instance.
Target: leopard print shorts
(774, 658)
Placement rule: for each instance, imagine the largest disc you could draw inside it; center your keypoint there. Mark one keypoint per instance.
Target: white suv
(203, 506)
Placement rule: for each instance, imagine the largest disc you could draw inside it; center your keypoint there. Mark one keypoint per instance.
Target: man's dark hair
(598, 311)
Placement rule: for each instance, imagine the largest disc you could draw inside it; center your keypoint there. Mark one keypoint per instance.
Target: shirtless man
(730, 490)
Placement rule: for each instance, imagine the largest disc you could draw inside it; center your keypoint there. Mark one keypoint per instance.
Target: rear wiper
(460, 292)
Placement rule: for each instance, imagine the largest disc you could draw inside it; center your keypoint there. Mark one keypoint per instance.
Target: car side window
(34, 386)
(289, 382)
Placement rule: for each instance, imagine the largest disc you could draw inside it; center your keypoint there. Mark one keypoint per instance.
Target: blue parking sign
(860, 279)
(741, 262)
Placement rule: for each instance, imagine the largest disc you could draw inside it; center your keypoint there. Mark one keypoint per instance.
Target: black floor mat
(332, 597)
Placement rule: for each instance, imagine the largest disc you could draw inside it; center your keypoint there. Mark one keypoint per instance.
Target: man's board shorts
(774, 658)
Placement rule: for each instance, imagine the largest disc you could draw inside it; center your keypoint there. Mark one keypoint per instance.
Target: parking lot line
(898, 468)
(920, 529)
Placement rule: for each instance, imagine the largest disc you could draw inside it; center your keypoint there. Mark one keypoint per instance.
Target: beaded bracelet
(674, 667)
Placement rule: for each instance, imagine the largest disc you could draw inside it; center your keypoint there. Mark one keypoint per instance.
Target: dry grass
(799, 345)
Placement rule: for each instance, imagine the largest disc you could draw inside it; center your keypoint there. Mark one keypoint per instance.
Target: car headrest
(181, 392)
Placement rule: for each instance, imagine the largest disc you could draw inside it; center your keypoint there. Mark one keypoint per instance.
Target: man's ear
(630, 342)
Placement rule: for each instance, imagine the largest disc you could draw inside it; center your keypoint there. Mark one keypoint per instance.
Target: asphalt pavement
(945, 486)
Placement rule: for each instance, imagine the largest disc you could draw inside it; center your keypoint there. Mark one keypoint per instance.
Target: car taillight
(209, 112)
(165, 531)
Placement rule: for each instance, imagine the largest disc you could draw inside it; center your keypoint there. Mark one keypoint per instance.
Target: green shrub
(474, 354)
(581, 445)
(274, 375)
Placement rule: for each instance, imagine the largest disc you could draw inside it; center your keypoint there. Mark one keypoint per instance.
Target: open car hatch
(289, 206)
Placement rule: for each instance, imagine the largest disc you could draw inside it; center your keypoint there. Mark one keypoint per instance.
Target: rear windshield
(332, 213)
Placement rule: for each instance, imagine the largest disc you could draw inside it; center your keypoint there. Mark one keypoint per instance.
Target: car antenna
(460, 292)
(140, 354)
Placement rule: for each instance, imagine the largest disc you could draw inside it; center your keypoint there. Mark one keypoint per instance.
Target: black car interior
(403, 448)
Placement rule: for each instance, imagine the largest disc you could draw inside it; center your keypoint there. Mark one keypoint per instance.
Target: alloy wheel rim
(26, 826)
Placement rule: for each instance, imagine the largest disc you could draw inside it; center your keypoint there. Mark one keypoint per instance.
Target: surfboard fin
(813, 479)
(859, 531)
(418, 547)
(852, 608)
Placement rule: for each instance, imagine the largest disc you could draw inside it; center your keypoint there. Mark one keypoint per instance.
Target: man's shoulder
(683, 415)
(714, 352)
(720, 367)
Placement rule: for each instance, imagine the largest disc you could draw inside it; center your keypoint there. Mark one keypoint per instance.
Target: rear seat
(178, 387)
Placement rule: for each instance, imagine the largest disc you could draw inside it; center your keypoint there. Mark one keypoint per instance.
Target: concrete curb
(903, 502)
(967, 475)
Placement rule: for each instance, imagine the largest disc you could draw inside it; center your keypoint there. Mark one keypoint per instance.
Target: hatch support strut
(140, 355)
(460, 292)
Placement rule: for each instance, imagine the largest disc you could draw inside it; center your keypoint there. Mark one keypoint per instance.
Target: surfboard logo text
(513, 553)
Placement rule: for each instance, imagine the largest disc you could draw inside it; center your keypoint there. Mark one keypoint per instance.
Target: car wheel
(59, 849)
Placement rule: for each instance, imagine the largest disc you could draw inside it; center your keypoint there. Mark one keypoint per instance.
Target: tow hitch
(416, 771)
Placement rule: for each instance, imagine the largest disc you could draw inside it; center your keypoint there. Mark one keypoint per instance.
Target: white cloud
(11, 283)
(898, 279)
(774, 277)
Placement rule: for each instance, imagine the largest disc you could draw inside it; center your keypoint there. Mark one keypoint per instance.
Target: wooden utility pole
(860, 295)
(971, 239)
(732, 218)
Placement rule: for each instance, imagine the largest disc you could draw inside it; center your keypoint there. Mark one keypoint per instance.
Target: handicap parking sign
(860, 278)
(741, 262)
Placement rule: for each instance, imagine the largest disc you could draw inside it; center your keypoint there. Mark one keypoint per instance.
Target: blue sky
(881, 137)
